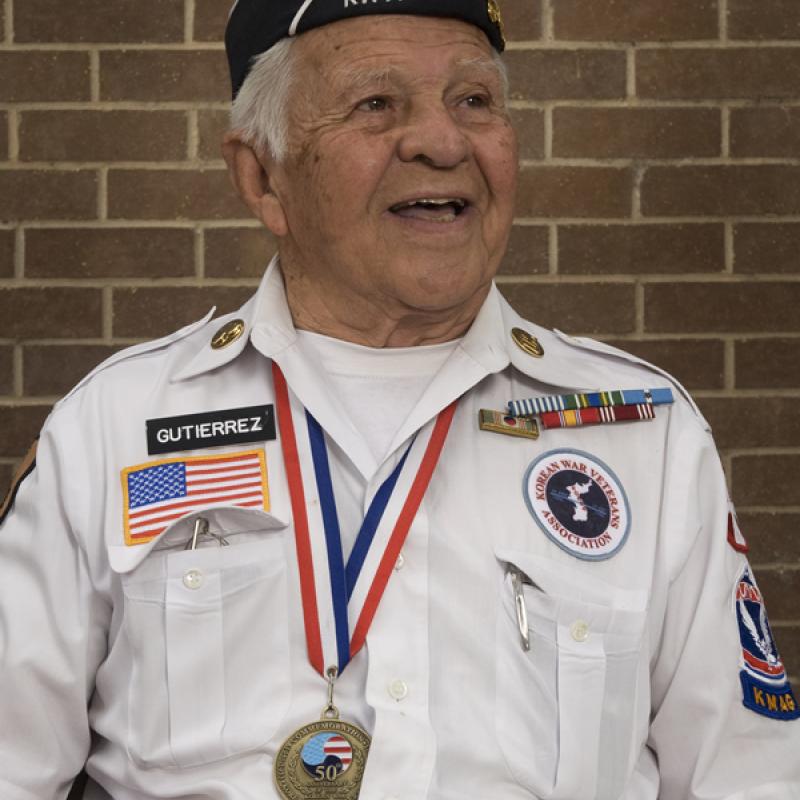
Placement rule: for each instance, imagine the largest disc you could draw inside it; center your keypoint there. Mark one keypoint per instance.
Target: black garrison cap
(256, 25)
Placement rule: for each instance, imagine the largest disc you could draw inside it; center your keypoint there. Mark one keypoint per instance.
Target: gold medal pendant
(324, 760)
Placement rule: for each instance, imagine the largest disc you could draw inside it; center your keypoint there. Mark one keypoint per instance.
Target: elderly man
(374, 535)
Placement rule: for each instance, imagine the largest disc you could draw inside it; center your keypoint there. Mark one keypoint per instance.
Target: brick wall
(659, 208)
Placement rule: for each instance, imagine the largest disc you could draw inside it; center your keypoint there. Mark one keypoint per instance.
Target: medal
(325, 760)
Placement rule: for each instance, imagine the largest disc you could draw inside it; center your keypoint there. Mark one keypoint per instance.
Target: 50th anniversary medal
(325, 759)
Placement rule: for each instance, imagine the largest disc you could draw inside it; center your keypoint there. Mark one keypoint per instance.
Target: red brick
(566, 74)
(771, 132)
(20, 426)
(109, 253)
(767, 363)
(173, 194)
(99, 21)
(779, 587)
(164, 75)
(753, 421)
(7, 253)
(721, 190)
(736, 72)
(210, 19)
(772, 537)
(640, 249)
(43, 76)
(6, 476)
(764, 19)
(238, 252)
(211, 125)
(35, 194)
(722, 307)
(52, 370)
(636, 132)
(696, 363)
(766, 480)
(58, 313)
(528, 251)
(529, 124)
(152, 312)
(788, 641)
(522, 19)
(767, 248)
(576, 308)
(103, 136)
(574, 192)
(635, 20)
(6, 371)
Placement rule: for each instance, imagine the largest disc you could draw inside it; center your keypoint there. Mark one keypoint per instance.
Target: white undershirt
(377, 386)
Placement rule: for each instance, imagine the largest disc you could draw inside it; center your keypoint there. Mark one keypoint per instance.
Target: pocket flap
(222, 519)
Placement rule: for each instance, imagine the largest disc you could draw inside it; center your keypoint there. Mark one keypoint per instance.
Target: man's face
(400, 179)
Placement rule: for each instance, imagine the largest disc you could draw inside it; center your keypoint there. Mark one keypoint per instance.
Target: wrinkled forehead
(359, 53)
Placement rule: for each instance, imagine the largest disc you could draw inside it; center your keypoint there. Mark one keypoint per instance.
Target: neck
(377, 322)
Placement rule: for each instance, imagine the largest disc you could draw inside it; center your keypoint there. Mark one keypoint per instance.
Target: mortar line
(552, 245)
(723, 20)
(729, 363)
(639, 309)
(725, 147)
(192, 135)
(548, 21)
(107, 301)
(102, 194)
(188, 21)
(94, 75)
(19, 253)
(13, 136)
(630, 73)
(730, 248)
(8, 6)
(199, 253)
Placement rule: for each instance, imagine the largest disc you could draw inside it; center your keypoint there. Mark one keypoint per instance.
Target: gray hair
(260, 113)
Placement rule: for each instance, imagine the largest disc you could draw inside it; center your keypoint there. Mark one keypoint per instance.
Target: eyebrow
(358, 79)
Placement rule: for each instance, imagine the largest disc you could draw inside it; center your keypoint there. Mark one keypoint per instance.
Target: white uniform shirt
(180, 673)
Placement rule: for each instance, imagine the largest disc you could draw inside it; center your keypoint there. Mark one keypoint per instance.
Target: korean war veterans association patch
(766, 688)
(578, 502)
(158, 493)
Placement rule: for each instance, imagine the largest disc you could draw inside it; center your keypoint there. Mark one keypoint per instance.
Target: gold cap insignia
(228, 334)
(497, 18)
(527, 342)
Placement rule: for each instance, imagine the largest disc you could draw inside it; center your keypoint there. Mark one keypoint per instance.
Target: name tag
(212, 429)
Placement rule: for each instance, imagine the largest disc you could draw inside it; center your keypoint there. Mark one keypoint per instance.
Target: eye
(374, 104)
(476, 101)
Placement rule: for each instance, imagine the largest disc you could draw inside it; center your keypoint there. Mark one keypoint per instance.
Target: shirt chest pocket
(208, 637)
(570, 680)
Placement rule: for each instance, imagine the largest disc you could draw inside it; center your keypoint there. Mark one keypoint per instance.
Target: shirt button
(400, 563)
(579, 630)
(398, 689)
(193, 579)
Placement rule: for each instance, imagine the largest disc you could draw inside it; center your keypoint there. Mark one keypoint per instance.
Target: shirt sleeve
(52, 626)
(724, 724)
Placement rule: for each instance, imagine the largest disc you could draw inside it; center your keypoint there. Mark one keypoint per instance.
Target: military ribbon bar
(573, 402)
(595, 416)
(340, 597)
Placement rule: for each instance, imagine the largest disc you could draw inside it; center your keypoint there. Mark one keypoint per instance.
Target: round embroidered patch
(578, 502)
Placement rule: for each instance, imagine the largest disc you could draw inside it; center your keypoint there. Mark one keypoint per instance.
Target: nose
(432, 136)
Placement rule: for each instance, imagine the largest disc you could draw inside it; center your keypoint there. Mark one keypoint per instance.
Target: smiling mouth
(441, 209)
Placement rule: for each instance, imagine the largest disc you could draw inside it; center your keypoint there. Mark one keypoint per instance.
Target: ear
(251, 178)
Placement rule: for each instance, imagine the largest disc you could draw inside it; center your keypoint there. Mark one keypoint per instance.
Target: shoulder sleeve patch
(25, 468)
(765, 686)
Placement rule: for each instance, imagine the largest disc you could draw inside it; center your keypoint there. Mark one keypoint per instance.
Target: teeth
(436, 202)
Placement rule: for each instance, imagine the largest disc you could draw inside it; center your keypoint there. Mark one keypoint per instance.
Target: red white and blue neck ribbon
(340, 597)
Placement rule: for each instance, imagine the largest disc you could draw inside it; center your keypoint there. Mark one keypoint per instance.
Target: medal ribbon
(355, 589)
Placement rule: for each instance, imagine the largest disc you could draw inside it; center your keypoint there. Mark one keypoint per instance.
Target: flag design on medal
(160, 492)
(326, 755)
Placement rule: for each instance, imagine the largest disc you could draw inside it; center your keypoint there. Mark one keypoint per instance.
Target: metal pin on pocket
(522, 611)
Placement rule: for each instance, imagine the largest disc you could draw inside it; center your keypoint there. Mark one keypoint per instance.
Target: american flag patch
(158, 493)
